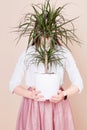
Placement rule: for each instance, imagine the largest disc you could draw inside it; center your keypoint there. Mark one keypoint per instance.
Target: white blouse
(30, 69)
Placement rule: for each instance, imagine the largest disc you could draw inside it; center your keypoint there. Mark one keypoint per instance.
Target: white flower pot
(48, 84)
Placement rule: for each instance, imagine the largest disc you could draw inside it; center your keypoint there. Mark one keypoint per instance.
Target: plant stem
(46, 62)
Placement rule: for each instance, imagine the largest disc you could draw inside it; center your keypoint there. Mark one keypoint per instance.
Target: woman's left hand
(58, 97)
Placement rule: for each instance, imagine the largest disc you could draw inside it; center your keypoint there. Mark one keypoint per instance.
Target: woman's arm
(16, 79)
(32, 93)
(74, 76)
(71, 90)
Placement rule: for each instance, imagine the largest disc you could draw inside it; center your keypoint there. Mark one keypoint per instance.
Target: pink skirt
(37, 115)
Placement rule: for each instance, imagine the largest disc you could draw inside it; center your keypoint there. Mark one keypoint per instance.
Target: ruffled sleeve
(18, 72)
(72, 70)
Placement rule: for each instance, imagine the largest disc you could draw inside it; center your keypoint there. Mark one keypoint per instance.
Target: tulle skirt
(37, 115)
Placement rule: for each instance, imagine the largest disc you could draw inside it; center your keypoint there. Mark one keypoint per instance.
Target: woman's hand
(31, 93)
(58, 97)
(35, 94)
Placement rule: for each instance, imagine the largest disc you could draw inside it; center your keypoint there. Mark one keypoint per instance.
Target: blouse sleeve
(73, 71)
(18, 73)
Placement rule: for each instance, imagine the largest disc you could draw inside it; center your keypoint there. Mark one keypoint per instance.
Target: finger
(59, 91)
(36, 92)
(32, 88)
(40, 96)
(55, 96)
(35, 95)
(53, 101)
(56, 99)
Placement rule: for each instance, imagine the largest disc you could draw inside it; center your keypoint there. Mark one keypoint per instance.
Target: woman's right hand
(35, 94)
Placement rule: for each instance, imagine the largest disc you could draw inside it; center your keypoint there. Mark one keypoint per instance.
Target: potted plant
(47, 24)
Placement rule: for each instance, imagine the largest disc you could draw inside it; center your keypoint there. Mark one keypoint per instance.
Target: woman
(36, 113)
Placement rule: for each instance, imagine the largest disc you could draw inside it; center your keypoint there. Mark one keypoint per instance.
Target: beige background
(10, 13)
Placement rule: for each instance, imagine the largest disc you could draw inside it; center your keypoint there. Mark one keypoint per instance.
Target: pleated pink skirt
(35, 115)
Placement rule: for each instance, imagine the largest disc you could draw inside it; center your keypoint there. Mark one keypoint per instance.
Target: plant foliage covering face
(48, 22)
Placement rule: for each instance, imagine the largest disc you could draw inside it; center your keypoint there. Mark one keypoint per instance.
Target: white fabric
(68, 62)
